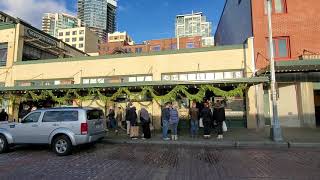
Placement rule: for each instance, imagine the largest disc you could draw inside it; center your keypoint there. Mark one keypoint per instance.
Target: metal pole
(275, 131)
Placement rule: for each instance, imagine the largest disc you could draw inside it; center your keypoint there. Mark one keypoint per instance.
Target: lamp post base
(276, 134)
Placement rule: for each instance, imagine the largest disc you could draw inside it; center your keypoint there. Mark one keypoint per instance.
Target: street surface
(107, 161)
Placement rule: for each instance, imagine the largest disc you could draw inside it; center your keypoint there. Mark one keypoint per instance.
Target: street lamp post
(275, 130)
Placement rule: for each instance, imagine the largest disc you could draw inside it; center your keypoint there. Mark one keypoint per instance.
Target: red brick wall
(165, 44)
(301, 24)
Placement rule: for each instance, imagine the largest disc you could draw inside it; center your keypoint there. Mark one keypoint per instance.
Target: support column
(255, 107)
(306, 104)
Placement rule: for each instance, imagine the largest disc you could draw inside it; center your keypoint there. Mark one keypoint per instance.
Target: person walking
(165, 116)
(174, 121)
(3, 115)
(206, 115)
(145, 121)
(112, 120)
(219, 116)
(132, 117)
(194, 119)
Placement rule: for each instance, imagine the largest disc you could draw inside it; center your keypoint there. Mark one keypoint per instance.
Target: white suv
(62, 128)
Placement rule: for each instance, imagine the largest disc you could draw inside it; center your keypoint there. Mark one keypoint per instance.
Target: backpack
(174, 116)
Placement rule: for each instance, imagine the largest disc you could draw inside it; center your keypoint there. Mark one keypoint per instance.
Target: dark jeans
(207, 127)
(219, 128)
(146, 130)
(113, 123)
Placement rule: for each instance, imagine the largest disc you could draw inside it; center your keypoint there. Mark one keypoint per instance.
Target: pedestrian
(3, 115)
(219, 116)
(174, 121)
(206, 115)
(132, 117)
(119, 117)
(34, 108)
(194, 119)
(127, 118)
(112, 120)
(145, 121)
(165, 116)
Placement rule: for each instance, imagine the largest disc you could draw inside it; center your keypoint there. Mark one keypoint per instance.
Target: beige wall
(305, 94)
(156, 65)
(91, 42)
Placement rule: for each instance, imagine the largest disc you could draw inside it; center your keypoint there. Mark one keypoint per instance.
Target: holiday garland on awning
(95, 93)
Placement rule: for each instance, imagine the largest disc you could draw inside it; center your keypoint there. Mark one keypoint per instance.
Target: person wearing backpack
(145, 121)
(174, 121)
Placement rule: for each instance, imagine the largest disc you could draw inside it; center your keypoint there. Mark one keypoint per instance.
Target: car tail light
(84, 128)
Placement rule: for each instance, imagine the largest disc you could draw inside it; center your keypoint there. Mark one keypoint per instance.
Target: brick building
(150, 45)
(296, 27)
(296, 37)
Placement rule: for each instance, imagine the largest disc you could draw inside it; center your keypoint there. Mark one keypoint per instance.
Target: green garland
(95, 93)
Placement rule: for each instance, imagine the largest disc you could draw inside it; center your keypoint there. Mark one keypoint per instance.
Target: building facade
(194, 24)
(98, 15)
(120, 47)
(295, 27)
(223, 67)
(81, 38)
(120, 37)
(53, 22)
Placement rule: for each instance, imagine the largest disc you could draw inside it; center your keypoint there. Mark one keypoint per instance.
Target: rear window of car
(55, 116)
(95, 114)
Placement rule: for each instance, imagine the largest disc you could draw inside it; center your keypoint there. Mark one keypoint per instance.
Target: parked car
(61, 128)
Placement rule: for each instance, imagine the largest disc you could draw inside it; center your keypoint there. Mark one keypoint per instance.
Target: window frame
(273, 10)
(276, 47)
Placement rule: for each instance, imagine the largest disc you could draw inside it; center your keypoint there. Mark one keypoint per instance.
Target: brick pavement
(107, 161)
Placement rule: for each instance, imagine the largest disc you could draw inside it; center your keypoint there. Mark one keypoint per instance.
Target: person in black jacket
(3, 115)
(145, 121)
(206, 115)
(219, 116)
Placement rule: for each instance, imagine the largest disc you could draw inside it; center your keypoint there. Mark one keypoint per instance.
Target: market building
(146, 79)
(296, 38)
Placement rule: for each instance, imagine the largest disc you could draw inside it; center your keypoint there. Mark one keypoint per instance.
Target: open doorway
(317, 106)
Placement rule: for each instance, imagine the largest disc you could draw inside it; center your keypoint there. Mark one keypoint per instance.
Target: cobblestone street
(106, 161)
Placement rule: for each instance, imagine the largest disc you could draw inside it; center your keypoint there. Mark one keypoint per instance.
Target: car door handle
(35, 125)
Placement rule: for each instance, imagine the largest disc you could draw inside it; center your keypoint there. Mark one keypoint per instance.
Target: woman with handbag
(145, 121)
(219, 116)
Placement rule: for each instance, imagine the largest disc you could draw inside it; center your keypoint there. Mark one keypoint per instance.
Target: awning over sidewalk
(224, 82)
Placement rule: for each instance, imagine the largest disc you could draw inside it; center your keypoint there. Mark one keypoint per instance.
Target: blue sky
(142, 19)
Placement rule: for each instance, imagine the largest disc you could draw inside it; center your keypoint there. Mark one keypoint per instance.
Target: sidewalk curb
(229, 144)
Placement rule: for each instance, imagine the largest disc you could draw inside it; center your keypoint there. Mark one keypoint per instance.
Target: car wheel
(62, 146)
(4, 146)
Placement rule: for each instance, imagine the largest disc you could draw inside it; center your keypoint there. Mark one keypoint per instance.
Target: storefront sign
(44, 38)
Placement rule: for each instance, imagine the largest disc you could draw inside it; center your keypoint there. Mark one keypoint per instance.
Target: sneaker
(143, 138)
(134, 138)
(166, 139)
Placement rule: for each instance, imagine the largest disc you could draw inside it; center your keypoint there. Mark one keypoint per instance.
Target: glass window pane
(148, 78)
(140, 78)
(238, 74)
(100, 80)
(192, 77)
(228, 75)
(175, 77)
(283, 49)
(201, 76)
(209, 76)
(166, 77)
(183, 77)
(278, 5)
(93, 81)
(132, 79)
(219, 75)
(86, 81)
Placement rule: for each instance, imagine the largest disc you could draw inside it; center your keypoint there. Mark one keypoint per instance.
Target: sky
(142, 19)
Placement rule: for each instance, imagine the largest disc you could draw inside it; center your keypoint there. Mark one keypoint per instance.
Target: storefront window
(3, 53)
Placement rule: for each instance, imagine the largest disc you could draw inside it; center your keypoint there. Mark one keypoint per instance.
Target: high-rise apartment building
(53, 22)
(81, 38)
(195, 24)
(98, 15)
